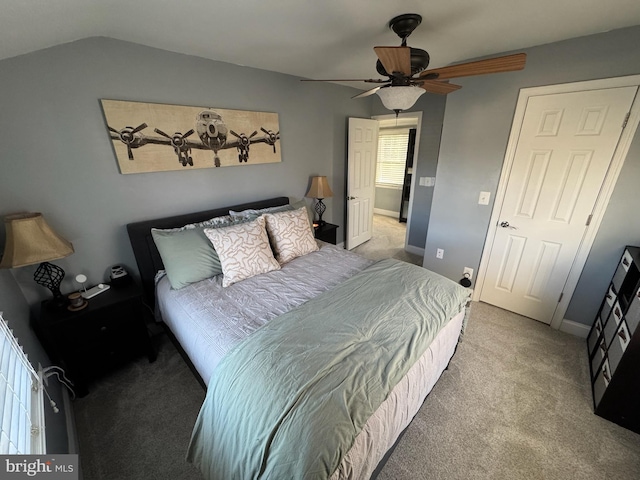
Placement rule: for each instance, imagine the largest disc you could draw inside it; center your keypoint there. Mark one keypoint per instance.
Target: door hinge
(589, 218)
(561, 295)
(626, 120)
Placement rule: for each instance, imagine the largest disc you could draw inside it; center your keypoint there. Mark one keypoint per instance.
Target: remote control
(93, 291)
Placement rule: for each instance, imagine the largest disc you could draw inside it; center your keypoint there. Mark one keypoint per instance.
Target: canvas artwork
(153, 137)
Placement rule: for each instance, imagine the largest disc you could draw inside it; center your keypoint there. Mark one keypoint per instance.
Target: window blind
(392, 157)
(21, 399)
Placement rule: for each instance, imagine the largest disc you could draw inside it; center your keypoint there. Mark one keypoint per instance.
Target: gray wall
(17, 314)
(474, 139)
(388, 199)
(56, 156)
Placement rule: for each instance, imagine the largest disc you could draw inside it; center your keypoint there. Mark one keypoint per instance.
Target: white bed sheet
(386, 424)
(208, 320)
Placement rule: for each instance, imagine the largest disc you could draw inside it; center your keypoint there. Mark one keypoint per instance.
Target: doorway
(565, 152)
(394, 193)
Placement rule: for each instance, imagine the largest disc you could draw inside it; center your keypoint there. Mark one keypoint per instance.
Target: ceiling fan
(408, 78)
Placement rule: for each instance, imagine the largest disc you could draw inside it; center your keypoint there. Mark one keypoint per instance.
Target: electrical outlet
(439, 253)
(469, 271)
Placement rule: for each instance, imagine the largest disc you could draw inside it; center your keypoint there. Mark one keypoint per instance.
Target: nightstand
(108, 332)
(327, 233)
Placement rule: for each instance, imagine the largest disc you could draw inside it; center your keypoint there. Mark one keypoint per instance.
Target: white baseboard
(575, 328)
(386, 213)
(414, 250)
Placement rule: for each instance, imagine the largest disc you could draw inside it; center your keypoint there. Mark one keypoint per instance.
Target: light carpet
(387, 241)
(515, 403)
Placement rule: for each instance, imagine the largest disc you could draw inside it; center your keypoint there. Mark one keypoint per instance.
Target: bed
(314, 367)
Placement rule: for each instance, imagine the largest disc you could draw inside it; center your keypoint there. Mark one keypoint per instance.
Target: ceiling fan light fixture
(399, 98)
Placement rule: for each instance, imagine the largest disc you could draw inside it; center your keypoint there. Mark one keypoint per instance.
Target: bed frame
(144, 248)
(149, 262)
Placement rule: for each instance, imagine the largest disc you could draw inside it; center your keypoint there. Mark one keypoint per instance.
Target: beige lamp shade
(319, 188)
(31, 240)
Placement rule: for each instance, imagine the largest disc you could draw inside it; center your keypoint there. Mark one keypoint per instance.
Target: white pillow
(290, 234)
(243, 250)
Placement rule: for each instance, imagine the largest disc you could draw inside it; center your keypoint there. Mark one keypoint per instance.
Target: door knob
(506, 225)
(351, 198)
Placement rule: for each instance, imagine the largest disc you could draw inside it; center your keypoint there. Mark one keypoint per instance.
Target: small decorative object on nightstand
(614, 346)
(319, 190)
(326, 232)
(106, 333)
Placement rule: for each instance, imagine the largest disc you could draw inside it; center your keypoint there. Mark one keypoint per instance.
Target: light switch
(427, 181)
(484, 198)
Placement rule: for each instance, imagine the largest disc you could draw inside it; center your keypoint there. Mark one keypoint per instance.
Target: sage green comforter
(288, 402)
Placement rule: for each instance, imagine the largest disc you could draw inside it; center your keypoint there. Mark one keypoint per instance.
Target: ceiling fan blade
(395, 59)
(367, 93)
(441, 88)
(368, 80)
(508, 63)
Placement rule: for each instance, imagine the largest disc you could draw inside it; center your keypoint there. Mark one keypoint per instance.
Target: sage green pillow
(188, 255)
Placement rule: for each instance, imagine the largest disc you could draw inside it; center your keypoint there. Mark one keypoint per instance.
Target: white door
(564, 149)
(361, 173)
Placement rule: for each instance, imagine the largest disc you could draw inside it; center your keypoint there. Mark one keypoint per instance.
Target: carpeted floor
(514, 404)
(136, 423)
(387, 241)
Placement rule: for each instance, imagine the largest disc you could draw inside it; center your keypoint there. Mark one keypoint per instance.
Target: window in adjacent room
(392, 156)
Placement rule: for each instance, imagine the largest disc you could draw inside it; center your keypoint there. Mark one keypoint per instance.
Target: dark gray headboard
(144, 248)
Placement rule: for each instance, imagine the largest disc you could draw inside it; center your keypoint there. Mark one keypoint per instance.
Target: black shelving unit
(614, 346)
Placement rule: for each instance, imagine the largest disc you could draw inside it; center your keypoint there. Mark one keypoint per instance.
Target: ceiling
(307, 38)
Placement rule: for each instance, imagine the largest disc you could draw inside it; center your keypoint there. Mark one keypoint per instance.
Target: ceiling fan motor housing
(419, 62)
(403, 26)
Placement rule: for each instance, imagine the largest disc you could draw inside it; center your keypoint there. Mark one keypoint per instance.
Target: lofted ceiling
(309, 38)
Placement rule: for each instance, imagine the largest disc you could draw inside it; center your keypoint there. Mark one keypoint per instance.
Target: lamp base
(50, 276)
(56, 303)
(320, 208)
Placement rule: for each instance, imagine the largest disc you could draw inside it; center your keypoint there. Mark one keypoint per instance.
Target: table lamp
(319, 190)
(30, 240)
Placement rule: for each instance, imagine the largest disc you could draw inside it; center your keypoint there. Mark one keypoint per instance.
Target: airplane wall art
(154, 137)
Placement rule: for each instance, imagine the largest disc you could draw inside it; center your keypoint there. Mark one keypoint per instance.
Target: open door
(361, 172)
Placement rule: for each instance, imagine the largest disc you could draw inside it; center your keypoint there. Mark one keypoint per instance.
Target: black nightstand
(108, 332)
(327, 233)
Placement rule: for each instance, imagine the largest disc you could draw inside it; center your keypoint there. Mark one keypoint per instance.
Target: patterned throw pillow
(243, 250)
(251, 214)
(290, 234)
